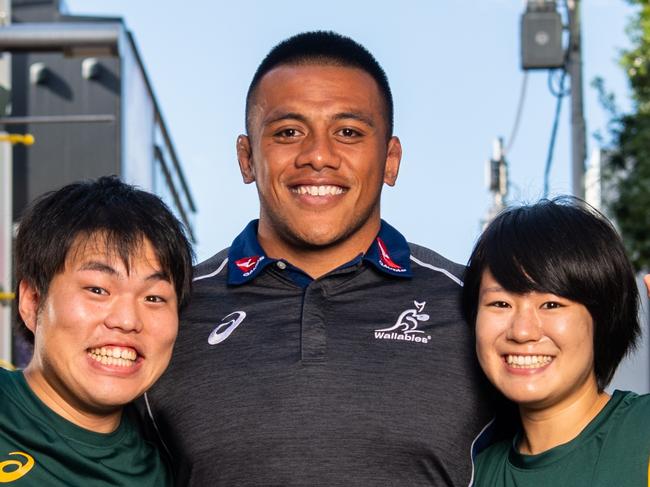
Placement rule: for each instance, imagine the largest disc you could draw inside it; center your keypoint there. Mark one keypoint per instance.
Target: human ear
(245, 158)
(646, 279)
(393, 159)
(28, 303)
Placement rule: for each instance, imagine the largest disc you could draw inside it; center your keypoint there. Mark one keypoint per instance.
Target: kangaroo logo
(408, 320)
(406, 326)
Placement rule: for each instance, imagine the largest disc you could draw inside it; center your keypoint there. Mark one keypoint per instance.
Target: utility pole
(497, 180)
(578, 129)
(541, 48)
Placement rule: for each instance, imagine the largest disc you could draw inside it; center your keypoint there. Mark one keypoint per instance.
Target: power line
(520, 109)
(560, 94)
(560, 90)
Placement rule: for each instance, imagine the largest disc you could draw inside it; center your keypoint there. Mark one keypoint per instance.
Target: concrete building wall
(87, 122)
(64, 151)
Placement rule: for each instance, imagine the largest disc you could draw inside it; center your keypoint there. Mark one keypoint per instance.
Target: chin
(529, 399)
(318, 238)
(112, 402)
(319, 241)
(114, 395)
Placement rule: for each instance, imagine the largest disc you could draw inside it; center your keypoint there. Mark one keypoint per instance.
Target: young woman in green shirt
(554, 302)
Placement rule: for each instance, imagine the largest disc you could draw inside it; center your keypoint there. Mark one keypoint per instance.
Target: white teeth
(123, 357)
(528, 361)
(325, 190)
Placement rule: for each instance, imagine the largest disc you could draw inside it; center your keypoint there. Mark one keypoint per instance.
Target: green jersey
(613, 450)
(40, 448)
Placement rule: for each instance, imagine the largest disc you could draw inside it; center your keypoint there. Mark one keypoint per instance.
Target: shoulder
(9, 381)
(215, 266)
(635, 407)
(4, 376)
(428, 260)
(137, 448)
(490, 462)
(627, 425)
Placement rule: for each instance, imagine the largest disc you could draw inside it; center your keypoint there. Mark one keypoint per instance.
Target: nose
(525, 326)
(318, 151)
(124, 315)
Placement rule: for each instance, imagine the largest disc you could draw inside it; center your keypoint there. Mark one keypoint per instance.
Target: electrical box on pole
(541, 36)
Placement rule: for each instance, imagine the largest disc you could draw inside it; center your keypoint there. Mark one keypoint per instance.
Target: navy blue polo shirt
(389, 253)
(363, 377)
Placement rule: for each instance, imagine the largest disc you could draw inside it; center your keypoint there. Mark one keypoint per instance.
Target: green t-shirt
(40, 448)
(612, 451)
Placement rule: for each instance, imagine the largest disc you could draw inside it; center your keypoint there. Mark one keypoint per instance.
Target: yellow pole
(27, 139)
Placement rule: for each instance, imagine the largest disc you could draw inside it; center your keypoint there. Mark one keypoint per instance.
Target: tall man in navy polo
(321, 349)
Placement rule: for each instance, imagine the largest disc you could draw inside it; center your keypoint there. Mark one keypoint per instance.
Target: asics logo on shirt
(406, 326)
(226, 327)
(13, 469)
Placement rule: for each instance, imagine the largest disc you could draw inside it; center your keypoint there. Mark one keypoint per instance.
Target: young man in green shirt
(102, 269)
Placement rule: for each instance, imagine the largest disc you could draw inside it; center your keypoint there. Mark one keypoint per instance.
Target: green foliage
(628, 167)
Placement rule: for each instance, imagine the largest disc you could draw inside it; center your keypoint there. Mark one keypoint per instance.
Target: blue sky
(454, 71)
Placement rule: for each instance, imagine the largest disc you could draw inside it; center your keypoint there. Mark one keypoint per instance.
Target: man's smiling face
(103, 333)
(319, 154)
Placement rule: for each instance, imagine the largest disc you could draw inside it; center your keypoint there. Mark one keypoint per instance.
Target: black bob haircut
(567, 248)
(120, 214)
(324, 48)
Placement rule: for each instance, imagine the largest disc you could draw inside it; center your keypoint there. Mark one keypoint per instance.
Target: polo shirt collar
(389, 253)
(246, 257)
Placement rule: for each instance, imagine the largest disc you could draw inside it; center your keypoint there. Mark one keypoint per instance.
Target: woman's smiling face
(535, 347)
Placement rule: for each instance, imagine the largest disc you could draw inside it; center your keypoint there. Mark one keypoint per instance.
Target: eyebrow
(98, 266)
(95, 265)
(158, 276)
(491, 289)
(285, 116)
(361, 117)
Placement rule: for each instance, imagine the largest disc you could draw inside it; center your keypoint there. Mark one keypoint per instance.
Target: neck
(547, 428)
(317, 261)
(57, 402)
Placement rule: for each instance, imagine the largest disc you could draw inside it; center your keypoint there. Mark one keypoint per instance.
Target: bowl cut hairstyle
(323, 48)
(567, 248)
(121, 215)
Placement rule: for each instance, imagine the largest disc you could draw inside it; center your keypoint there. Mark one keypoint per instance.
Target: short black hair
(323, 48)
(123, 215)
(567, 248)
